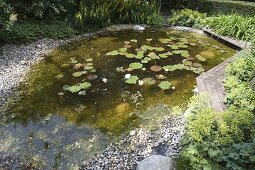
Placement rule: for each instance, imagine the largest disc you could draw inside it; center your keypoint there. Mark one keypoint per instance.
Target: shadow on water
(54, 125)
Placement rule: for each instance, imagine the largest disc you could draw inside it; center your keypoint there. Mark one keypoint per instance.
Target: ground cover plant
(226, 138)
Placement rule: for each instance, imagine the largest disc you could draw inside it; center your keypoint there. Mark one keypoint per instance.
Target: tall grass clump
(234, 25)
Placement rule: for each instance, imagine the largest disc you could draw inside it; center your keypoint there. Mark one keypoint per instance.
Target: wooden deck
(212, 80)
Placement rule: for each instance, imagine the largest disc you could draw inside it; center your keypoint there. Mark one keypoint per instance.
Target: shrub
(28, 31)
(155, 20)
(234, 25)
(213, 7)
(213, 136)
(237, 84)
(186, 17)
(7, 18)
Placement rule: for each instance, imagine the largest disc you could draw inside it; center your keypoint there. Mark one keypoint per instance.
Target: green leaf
(74, 89)
(132, 80)
(136, 65)
(129, 55)
(200, 58)
(165, 85)
(85, 85)
(113, 53)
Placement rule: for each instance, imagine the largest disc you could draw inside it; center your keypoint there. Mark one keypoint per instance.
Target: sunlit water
(54, 128)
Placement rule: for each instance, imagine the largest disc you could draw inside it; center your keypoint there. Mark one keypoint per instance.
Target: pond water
(86, 94)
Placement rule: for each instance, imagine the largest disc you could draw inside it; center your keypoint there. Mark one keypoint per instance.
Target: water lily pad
(132, 80)
(165, 41)
(160, 76)
(139, 55)
(129, 55)
(66, 87)
(190, 58)
(77, 66)
(197, 65)
(77, 74)
(120, 69)
(89, 64)
(156, 68)
(136, 65)
(133, 40)
(73, 61)
(88, 67)
(74, 89)
(173, 47)
(92, 70)
(169, 53)
(145, 47)
(145, 60)
(165, 85)
(159, 49)
(148, 39)
(127, 46)
(200, 58)
(126, 42)
(60, 76)
(169, 68)
(149, 81)
(122, 49)
(179, 66)
(85, 85)
(92, 77)
(82, 93)
(89, 59)
(187, 63)
(113, 53)
(153, 56)
(163, 55)
(123, 53)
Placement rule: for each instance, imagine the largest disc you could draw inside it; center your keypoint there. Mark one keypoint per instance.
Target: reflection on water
(57, 128)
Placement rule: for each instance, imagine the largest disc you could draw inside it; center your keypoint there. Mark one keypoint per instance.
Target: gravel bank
(140, 144)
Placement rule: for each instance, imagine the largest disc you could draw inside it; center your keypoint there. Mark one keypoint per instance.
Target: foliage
(7, 18)
(155, 20)
(100, 13)
(30, 31)
(186, 17)
(213, 7)
(234, 25)
(239, 73)
(213, 136)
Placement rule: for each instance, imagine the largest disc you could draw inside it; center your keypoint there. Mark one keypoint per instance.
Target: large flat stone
(155, 162)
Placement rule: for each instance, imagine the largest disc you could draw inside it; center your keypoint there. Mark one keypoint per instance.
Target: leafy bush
(213, 7)
(238, 74)
(234, 25)
(186, 17)
(33, 30)
(6, 16)
(155, 20)
(218, 137)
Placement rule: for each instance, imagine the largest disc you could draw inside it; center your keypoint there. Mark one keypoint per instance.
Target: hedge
(222, 6)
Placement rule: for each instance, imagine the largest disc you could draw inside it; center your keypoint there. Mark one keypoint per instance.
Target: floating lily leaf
(85, 85)
(185, 54)
(92, 77)
(73, 60)
(136, 65)
(165, 85)
(113, 53)
(120, 69)
(122, 49)
(179, 66)
(123, 53)
(146, 60)
(149, 39)
(77, 74)
(163, 55)
(183, 46)
(169, 53)
(160, 76)
(134, 40)
(153, 56)
(74, 89)
(82, 93)
(66, 87)
(156, 68)
(187, 63)
(129, 55)
(60, 76)
(88, 68)
(197, 65)
(159, 49)
(126, 42)
(165, 41)
(89, 64)
(140, 55)
(92, 70)
(132, 80)
(169, 68)
(149, 81)
(77, 66)
(193, 44)
(200, 58)
(145, 47)
(173, 47)
(190, 58)
(89, 60)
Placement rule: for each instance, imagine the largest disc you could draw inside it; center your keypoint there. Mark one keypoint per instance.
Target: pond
(87, 94)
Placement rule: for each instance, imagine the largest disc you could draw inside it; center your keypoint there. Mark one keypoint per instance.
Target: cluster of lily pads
(146, 54)
(86, 71)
